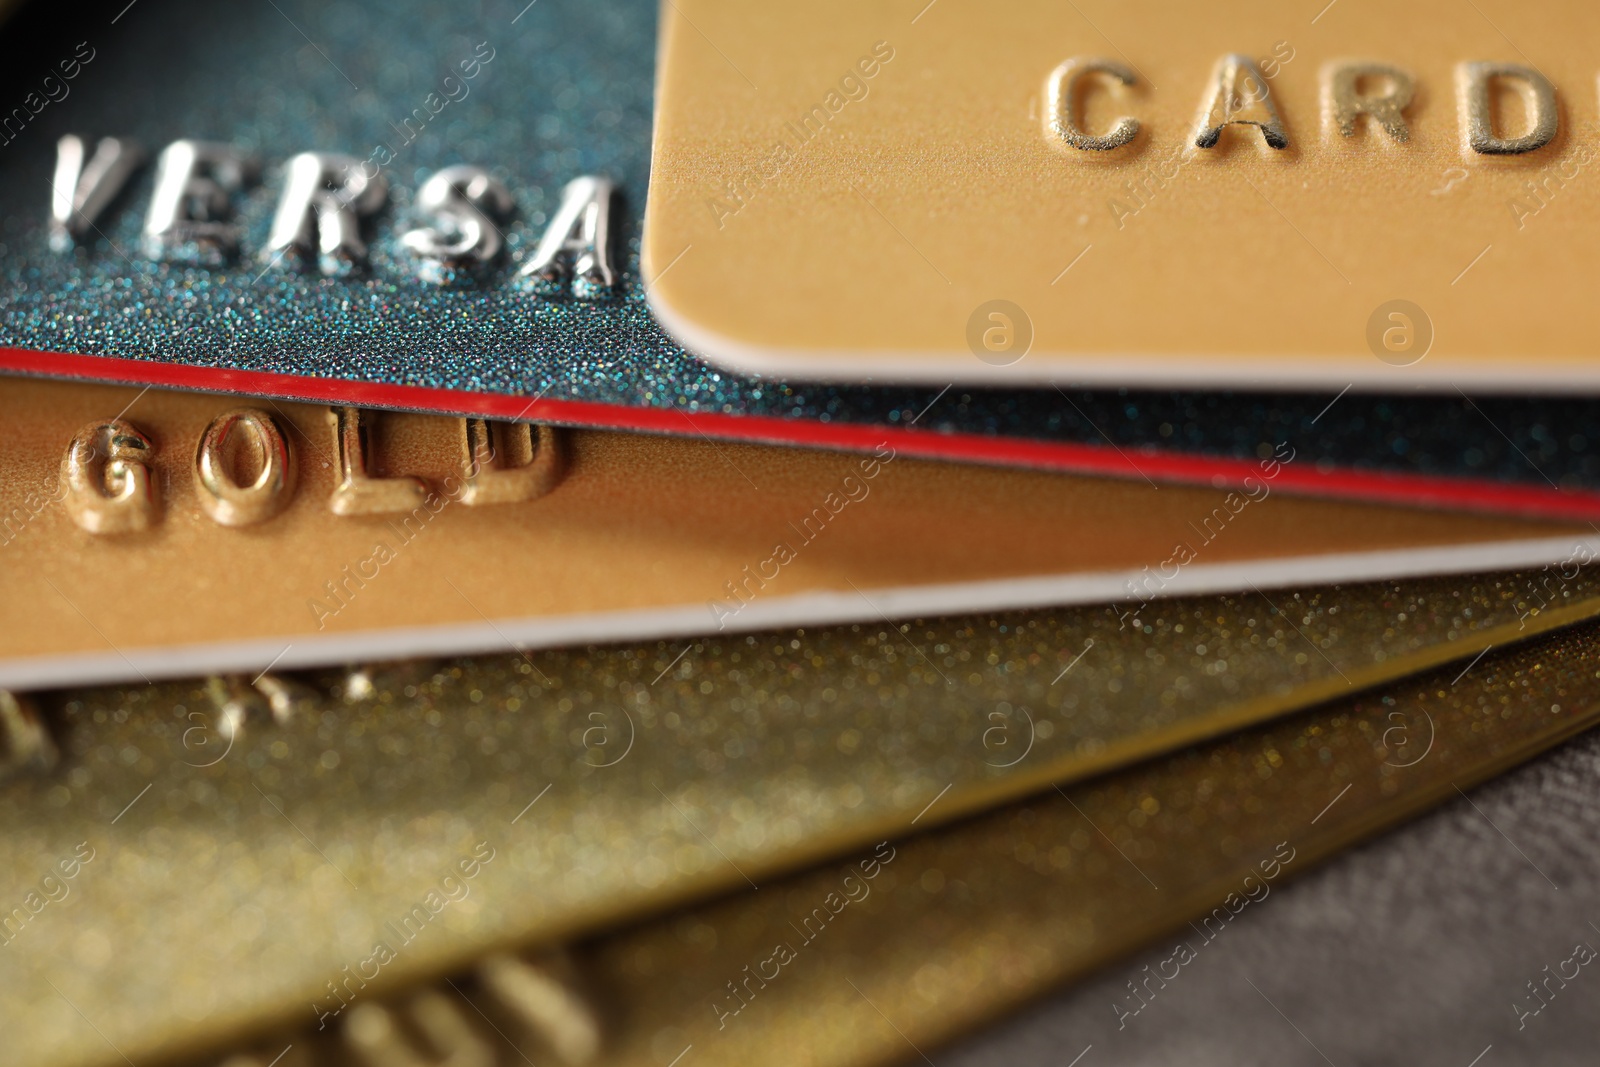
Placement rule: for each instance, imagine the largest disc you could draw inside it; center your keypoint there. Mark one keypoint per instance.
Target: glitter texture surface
(233, 879)
(568, 92)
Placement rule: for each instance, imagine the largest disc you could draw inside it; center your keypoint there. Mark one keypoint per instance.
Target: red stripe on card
(1303, 475)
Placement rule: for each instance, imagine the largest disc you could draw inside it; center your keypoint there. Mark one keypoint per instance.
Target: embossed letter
(488, 478)
(377, 1040)
(576, 244)
(83, 188)
(1474, 81)
(195, 183)
(541, 996)
(222, 497)
(25, 742)
(1344, 102)
(358, 493)
(463, 202)
(1238, 97)
(319, 218)
(106, 475)
(1064, 105)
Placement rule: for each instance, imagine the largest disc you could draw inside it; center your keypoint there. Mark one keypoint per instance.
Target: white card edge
(778, 612)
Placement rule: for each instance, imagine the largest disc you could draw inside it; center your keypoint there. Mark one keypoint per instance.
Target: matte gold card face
(146, 533)
(1394, 195)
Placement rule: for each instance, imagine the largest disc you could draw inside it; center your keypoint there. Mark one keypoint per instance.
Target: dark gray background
(1409, 950)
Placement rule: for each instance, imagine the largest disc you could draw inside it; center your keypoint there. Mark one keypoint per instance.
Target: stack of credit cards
(697, 533)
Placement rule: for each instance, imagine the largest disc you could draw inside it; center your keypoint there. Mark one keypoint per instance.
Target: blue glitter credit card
(437, 207)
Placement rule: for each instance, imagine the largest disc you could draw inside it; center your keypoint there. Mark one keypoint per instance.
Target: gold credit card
(893, 945)
(1391, 195)
(154, 533)
(979, 919)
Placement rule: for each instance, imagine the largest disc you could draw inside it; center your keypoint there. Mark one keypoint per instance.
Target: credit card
(1229, 193)
(895, 938)
(982, 918)
(99, 284)
(150, 533)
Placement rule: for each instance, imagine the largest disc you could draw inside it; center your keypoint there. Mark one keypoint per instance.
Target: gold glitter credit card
(157, 534)
(1385, 195)
(898, 949)
(379, 829)
(543, 799)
